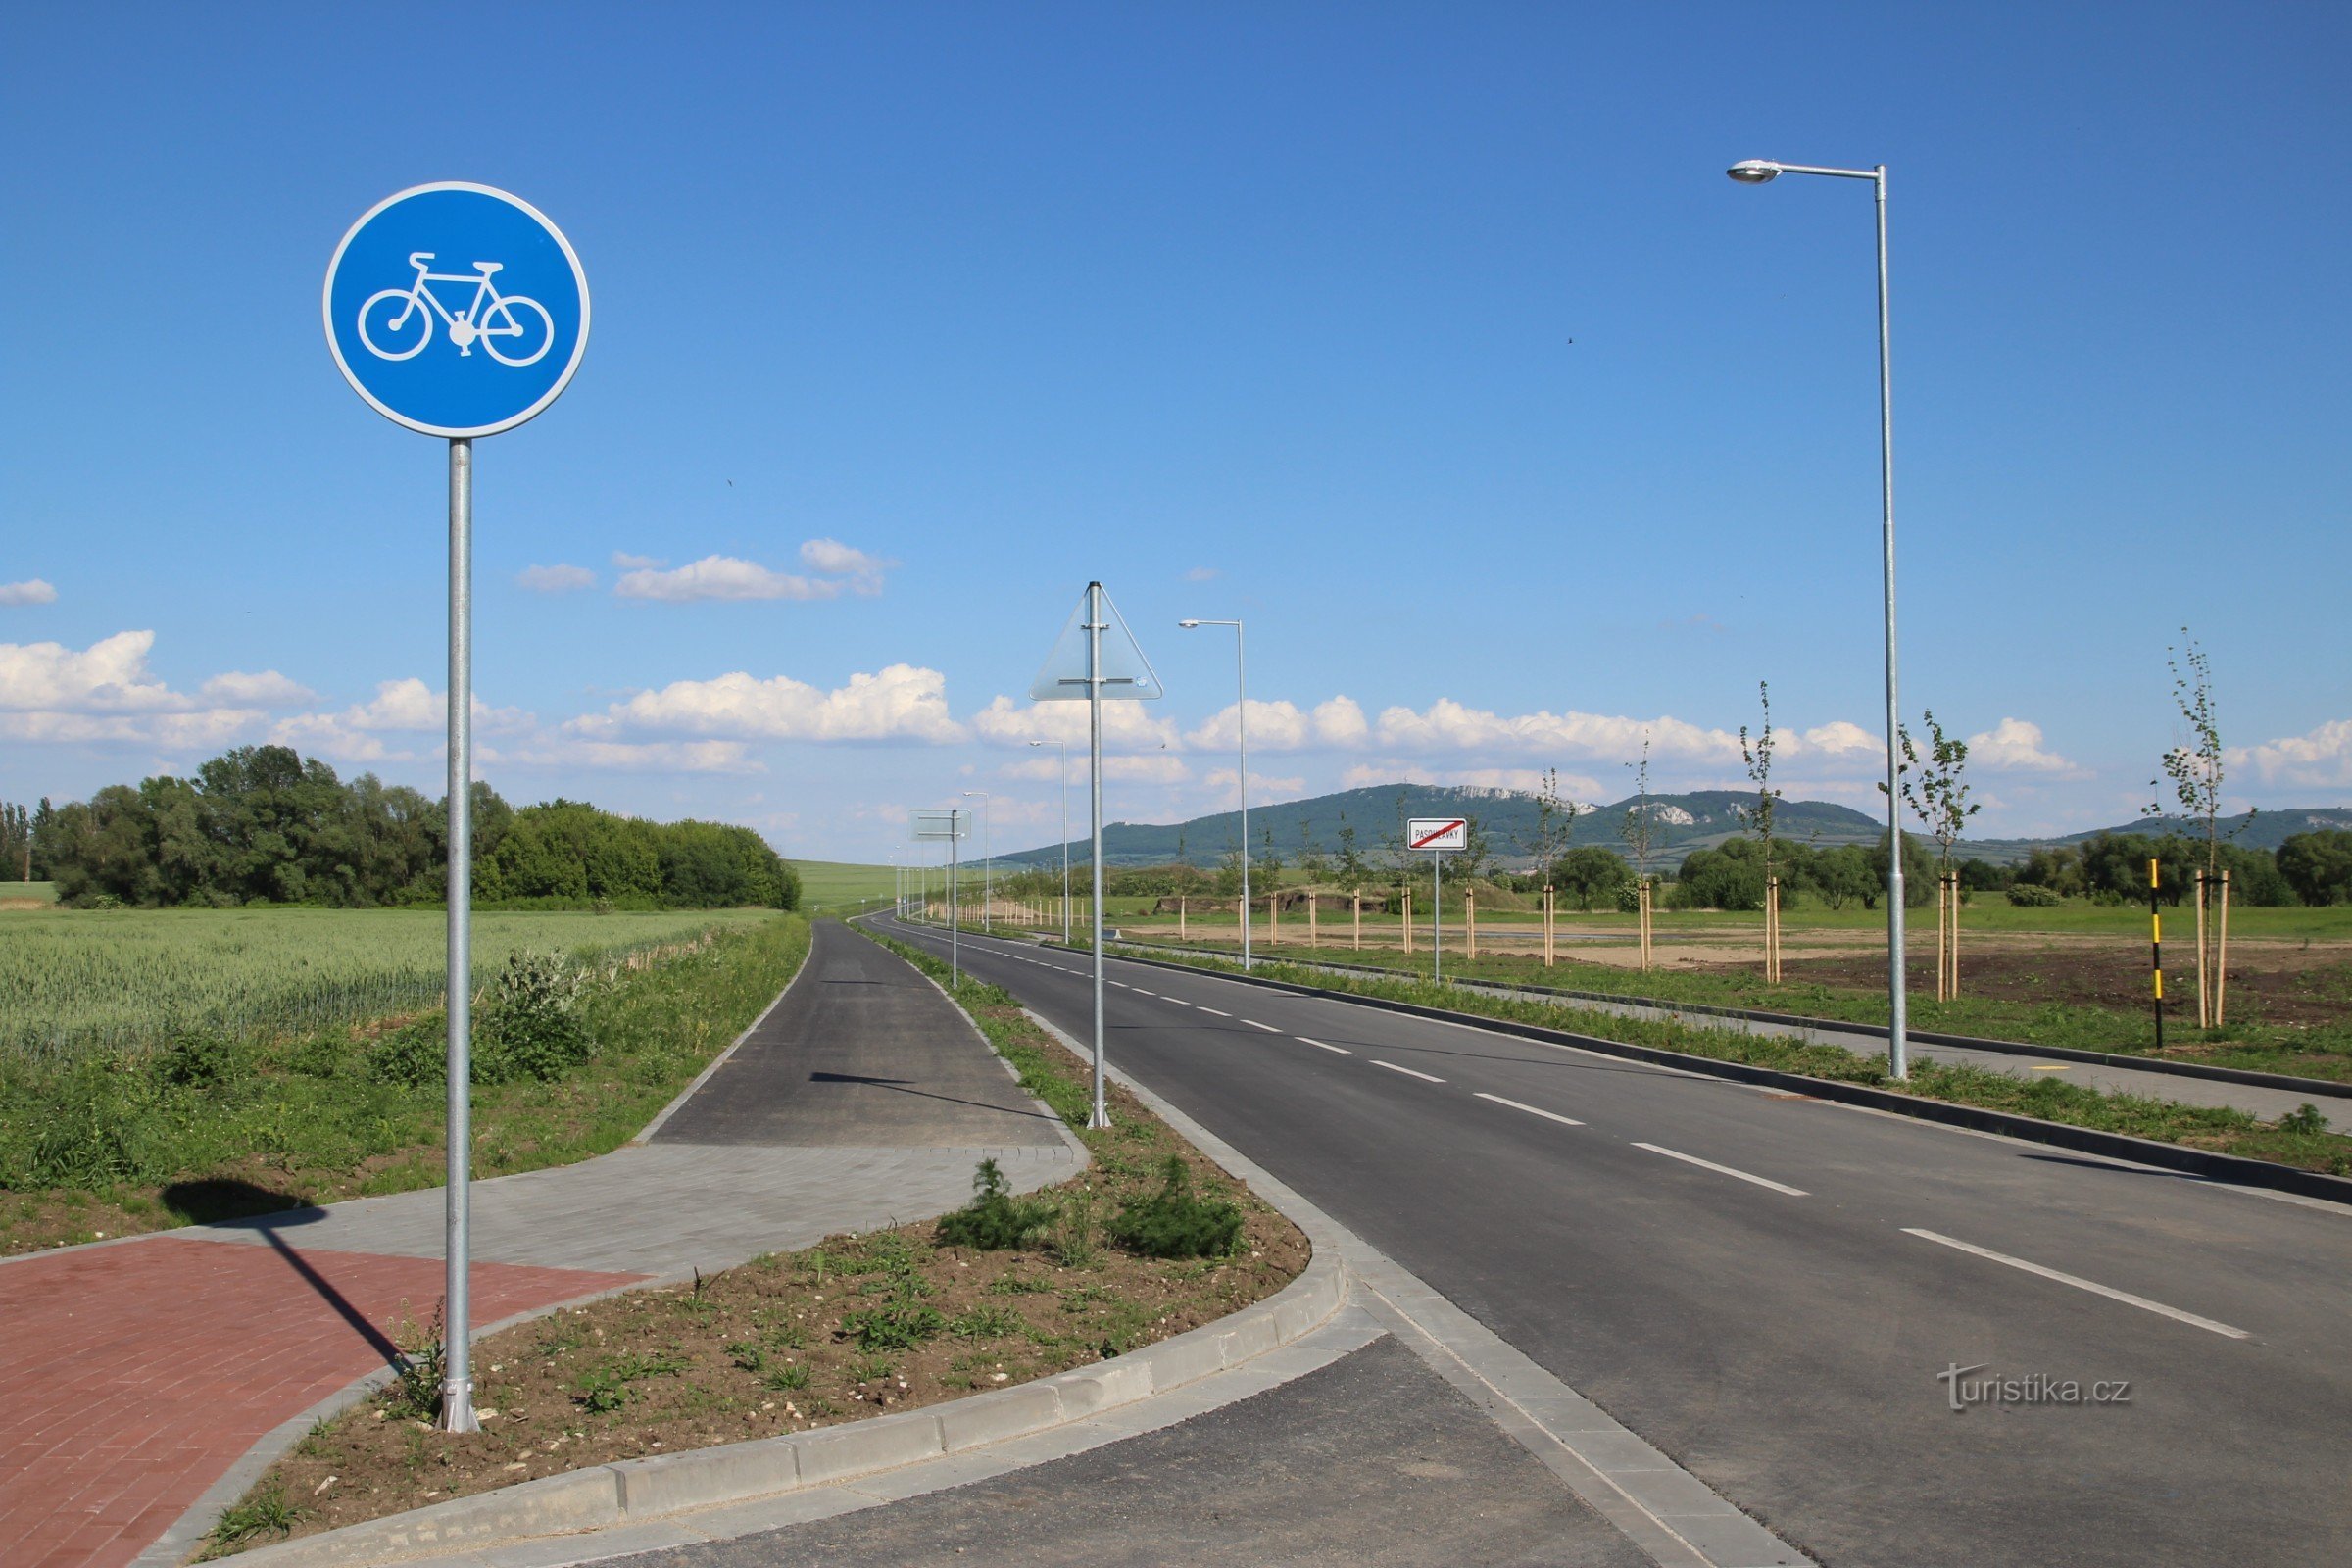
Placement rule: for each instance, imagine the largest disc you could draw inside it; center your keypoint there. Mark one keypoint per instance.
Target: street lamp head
(1188, 625)
(1754, 171)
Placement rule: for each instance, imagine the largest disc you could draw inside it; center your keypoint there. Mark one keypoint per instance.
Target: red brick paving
(136, 1374)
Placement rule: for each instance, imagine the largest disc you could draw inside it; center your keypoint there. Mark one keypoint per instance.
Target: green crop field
(76, 981)
(827, 883)
(12, 893)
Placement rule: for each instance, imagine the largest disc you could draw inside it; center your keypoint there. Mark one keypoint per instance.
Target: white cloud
(840, 569)
(109, 676)
(902, 701)
(204, 729)
(406, 706)
(1336, 724)
(629, 757)
(105, 694)
(1838, 737)
(832, 557)
(2321, 759)
(31, 591)
(1148, 768)
(628, 563)
(722, 577)
(555, 579)
(1126, 725)
(1202, 575)
(2014, 744)
(268, 689)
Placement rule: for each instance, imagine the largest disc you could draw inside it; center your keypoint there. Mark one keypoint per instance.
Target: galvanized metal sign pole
(1084, 664)
(1437, 834)
(404, 337)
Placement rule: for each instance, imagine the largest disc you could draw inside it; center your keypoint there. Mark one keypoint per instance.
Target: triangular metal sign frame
(1127, 675)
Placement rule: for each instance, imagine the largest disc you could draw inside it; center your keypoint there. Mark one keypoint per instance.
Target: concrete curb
(2232, 1168)
(634, 1492)
(2245, 1077)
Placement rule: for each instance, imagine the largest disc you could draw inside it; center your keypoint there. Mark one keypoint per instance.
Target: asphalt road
(1767, 1287)
(1372, 1460)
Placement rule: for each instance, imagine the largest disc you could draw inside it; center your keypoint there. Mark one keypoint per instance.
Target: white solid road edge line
(1724, 1170)
(2079, 1284)
(1547, 1115)
(1426, 1078)
(1320, 1046)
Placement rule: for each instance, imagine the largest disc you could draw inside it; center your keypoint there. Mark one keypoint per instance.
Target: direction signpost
(948, 825)
(1089, 666)
(1437, 835)
(425, 279)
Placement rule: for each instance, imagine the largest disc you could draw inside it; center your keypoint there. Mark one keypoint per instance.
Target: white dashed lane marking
(1547, 1115)
(1320, 1046)
(1722, 1170)
(1426, 1078)
(1267, 1027)
(2080, 1284)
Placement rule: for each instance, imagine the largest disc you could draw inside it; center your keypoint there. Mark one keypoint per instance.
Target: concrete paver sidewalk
(141, 1372)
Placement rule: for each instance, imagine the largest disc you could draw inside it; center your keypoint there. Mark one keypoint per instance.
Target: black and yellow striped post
(2156, 950)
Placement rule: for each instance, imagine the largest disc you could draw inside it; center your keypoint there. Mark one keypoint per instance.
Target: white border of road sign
(327, 312)
(1437, 832)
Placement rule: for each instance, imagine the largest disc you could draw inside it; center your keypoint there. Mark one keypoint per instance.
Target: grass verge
(2299, 1139)
(854, 1327)
(212, 1128)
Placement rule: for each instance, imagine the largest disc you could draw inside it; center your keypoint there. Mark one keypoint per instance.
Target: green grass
(73, 982)
(2292, 1141)
(38, 891)
(181, 1136)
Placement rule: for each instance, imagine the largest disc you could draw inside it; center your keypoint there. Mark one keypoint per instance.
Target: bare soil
(2282, 984)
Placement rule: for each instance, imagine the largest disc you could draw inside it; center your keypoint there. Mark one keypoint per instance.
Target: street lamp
(1240, 721)
(1763, 172)
(988, 874)
(1065, 838)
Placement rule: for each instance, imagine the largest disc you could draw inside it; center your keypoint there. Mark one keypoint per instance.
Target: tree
(1269, 862)
(2195, 766)
(1352, 870)
(1555, 819)
(1310, 857)
(1639, 829)
(1940, 798)
(1844, 876)
(1589, 872)
(16, 842)
(1917, 870)
(2318, 866)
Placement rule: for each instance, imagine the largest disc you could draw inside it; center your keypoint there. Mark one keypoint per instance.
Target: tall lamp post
(1763, 172)
(1240, 720)
(1065, 838)
(987, 873)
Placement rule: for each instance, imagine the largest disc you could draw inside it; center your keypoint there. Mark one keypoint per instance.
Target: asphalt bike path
(152, 1378)
(1767, 1287)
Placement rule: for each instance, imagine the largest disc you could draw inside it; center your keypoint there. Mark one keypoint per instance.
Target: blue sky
(1432, 340)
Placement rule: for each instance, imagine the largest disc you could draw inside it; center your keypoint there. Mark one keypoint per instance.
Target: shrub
(196, 1061)
(412, 1055)
(532, 1027)
(2032, 895)
(994, 1220)
(1176, 1221)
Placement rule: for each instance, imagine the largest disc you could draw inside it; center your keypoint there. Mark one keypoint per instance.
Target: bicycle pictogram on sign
(507, 325)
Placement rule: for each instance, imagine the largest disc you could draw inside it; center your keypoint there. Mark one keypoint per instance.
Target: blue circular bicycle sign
(456, 310)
